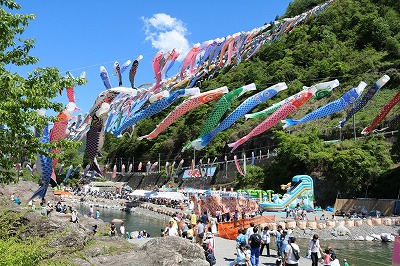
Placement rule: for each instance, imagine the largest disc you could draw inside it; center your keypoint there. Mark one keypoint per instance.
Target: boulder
(172, 250)
(349, 223)
(330, 224)
(376, 237)
(291, 224)
(312, 225)
(272, 226)
(302, 225)
(360, 238)
(376, 221)
(387, 221)
(283, 224)
(340, 222)
(369, 238)
(321, 226)
(386, 237)
(341, 230)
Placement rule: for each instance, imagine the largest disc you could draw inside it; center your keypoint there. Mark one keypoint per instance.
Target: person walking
(291, 250)
(199, 232)
(265, 240)
(314, 250)
(255, 243)
(278, 240)
(250, 230)
(285, 240)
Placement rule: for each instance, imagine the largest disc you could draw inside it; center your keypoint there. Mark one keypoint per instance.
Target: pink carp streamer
(157, 68)
(185, 107)
(60, 131)
(238, 166)
(189, 60)
(382, 114)
(277, 116)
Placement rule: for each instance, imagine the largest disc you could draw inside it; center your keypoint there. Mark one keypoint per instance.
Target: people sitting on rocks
(74, 216)
(145, 234)
(113, 230)
(17, 200)
(93, 228)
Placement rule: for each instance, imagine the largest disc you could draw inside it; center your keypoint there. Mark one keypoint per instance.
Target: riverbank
(103, 249)
(338, 229)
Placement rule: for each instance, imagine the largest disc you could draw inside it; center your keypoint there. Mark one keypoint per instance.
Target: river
(132, 221)
(358, 253)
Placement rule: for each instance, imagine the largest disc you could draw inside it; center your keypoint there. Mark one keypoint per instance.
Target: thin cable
(104, 63)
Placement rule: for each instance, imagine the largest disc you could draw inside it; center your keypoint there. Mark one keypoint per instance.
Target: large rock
(163, 251)
(173, 251)
(341, 230)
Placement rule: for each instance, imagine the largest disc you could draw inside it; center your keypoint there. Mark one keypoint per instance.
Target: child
(345, 263)
(327, 258)
(208, 253)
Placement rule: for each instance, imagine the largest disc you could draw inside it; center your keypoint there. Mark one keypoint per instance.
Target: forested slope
(351, 41)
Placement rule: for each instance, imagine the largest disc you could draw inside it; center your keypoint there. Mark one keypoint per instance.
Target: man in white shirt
(290, 259)
(250, 230)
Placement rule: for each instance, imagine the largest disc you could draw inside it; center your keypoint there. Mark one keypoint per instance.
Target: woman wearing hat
(243, 255)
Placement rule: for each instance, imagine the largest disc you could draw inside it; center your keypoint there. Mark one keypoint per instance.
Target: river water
(358, 253)
(132, 221)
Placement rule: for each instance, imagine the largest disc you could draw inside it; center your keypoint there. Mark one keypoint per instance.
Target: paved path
(225, 250)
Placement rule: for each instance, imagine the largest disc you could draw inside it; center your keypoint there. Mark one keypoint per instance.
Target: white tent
(142, 193)
(169, 195)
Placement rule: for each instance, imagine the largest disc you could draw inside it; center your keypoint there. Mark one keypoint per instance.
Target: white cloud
(165, 32)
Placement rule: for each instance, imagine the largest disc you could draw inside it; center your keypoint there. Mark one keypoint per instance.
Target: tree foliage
(22, 96)
(253, 178)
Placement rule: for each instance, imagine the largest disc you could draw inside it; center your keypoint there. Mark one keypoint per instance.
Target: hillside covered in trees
(351, 41)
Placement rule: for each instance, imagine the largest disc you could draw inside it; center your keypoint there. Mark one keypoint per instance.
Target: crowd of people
(251, 242)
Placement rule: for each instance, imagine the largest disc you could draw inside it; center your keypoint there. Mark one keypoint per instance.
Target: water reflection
(358, 253)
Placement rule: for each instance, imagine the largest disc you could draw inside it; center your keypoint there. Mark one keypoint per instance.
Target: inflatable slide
(299, 192)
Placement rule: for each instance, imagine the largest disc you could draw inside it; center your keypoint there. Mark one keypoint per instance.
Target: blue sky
(84, 35)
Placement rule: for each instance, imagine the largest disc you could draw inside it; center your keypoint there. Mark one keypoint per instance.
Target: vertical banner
(166, 169)
(148, 165)
(252, 158)
(114, 172)
(172, 169)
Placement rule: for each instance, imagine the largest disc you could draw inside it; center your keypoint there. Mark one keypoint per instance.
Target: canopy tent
(142, 193)
(169, 195)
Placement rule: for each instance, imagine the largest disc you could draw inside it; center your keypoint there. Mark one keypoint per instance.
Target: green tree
(253, 178)
(22, 96)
